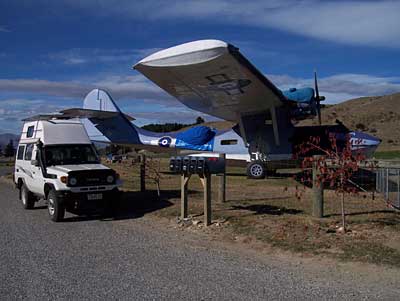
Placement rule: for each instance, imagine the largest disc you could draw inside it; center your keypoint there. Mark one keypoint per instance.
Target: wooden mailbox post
(204, 167)
(206, 183)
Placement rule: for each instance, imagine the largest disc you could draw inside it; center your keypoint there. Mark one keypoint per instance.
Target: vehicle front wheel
(256, 170)
(55, 207)
(27, 197)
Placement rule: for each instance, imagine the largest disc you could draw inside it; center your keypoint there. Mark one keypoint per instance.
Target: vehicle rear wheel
(27, 198)
(256, 170)
(55, 207)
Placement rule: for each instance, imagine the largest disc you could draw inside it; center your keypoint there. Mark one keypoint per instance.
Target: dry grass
(267, 211)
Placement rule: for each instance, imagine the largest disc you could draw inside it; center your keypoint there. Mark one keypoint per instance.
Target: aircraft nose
(367, 139)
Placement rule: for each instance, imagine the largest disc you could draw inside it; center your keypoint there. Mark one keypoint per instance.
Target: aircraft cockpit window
(229, 142)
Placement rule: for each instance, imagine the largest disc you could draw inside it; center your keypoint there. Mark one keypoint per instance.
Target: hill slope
(377, 115)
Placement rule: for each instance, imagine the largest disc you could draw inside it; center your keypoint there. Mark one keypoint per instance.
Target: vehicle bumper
(80, 201)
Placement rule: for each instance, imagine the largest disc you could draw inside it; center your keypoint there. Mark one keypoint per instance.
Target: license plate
(95, 196)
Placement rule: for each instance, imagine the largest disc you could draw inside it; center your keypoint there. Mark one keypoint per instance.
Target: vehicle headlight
(73, 181)
(110, 179)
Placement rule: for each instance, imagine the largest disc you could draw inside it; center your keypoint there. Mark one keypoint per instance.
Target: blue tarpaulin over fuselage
(199, 138)
(198, 135)
(299, 95)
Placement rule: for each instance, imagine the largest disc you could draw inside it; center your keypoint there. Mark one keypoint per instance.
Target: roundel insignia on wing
(164, 141)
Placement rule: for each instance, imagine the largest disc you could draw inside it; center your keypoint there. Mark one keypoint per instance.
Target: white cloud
(133, 87)
(372, 23)
(78, 56)
(181, 115)
(45, 87)
(13, 110)
(140, 92)
(342, 87)
(4, 29)
(121, 87)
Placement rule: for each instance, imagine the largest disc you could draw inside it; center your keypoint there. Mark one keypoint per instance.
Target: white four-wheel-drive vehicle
(57, 162)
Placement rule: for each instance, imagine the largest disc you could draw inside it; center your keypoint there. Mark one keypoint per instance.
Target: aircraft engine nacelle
(301, 111)
(302, 103)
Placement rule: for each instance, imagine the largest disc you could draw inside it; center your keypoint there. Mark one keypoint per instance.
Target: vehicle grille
(91, 177)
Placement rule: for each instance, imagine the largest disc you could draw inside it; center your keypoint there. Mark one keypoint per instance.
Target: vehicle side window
(29, 133)
(20, 154)
(28, 152)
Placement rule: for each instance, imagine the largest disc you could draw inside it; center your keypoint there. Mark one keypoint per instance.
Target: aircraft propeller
(318, 98)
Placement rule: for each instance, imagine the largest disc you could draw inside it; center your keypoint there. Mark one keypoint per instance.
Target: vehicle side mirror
(35, 162)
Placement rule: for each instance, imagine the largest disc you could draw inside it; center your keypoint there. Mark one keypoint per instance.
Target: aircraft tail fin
(100, 100)
(116, 128)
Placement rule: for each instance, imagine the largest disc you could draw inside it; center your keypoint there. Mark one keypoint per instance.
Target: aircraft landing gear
(256, 170)
(259, 170)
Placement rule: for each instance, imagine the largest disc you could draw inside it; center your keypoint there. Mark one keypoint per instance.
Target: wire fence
(388, 184)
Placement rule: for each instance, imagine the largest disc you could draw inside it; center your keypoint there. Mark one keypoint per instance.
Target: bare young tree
(153, 172)
(336, 164)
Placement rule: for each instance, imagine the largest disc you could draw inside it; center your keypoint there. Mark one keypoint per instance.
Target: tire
(55, 207)
(27, 198)
(256, 170)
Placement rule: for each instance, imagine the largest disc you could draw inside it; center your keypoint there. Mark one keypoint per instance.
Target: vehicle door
(19, 161)
(35, 181)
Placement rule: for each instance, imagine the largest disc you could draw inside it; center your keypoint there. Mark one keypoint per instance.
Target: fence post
(398, 187)
(207, 200)
(318, 190)
(206, 182)
(222, 183)
(142, 172)
(387, 184)
(184, 195)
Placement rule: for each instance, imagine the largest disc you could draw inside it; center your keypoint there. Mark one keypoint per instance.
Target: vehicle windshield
(67, 154)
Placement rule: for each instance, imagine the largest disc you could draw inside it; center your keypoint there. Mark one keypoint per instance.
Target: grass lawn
(387, 155)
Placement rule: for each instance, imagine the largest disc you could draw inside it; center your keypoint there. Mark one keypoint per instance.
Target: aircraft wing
(78, 113)
(89, 113)
(213, 77)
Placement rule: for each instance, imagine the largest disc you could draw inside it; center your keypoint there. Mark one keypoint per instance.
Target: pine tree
(199, 120)
(9, 151)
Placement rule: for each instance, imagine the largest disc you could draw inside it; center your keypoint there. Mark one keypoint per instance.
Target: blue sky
(54, 52)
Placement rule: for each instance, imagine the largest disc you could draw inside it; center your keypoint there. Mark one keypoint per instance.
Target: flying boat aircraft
(213, 77)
